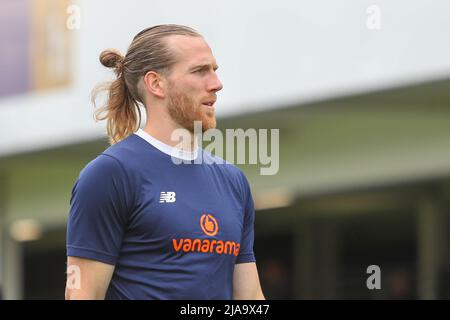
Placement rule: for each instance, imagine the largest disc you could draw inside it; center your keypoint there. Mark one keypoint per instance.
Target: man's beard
(184, 110)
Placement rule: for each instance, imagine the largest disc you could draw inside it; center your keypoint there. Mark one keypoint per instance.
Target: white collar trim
(165, 148)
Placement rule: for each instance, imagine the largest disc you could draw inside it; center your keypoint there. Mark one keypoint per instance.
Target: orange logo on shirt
(209, 225)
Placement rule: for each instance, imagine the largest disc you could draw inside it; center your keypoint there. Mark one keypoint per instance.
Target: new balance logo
(167, 197)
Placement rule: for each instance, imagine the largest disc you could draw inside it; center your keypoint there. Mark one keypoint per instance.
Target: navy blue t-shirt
(172, 231)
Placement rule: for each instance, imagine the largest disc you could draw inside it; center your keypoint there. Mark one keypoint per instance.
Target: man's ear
(155, 84)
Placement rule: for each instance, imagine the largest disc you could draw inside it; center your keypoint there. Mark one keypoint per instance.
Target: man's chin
(209, 123)
(206, 124)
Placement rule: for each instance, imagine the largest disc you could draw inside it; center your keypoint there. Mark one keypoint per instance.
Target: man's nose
(215, 84)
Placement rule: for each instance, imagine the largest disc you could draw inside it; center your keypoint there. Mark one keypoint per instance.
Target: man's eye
(201, 71)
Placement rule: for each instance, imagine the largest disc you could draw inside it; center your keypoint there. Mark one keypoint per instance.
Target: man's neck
(163, 130)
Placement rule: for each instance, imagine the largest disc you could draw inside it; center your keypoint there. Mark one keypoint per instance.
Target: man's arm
(246, 284)
(87, 279)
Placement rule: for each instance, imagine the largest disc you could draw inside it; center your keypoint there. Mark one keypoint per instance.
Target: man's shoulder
(209, 158)
(116, 159)
(103, 167)
(124, 149)
(227, 168)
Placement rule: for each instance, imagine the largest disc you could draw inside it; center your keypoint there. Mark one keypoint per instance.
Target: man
(140, 225)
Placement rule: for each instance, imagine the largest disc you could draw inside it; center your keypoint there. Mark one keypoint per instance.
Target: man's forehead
(186, 42)
(191, 50)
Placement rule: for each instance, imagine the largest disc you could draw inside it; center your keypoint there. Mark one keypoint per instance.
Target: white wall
(270, 53)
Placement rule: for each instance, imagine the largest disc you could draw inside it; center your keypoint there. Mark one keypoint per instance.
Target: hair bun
(111, 58)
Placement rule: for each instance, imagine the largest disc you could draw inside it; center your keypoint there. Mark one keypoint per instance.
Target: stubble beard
(184, 110)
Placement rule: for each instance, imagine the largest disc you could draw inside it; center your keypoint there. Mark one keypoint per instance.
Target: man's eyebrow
(204, 66)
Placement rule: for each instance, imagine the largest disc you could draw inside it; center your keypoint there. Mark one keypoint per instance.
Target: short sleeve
(99, 204)
(246, 253)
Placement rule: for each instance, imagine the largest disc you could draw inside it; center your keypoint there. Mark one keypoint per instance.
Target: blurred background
(359, 89)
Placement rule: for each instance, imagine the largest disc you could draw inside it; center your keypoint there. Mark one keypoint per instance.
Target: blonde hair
(148, 52)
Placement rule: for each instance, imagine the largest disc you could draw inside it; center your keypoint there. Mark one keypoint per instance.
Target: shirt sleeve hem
(245, 258)
(91, 254)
